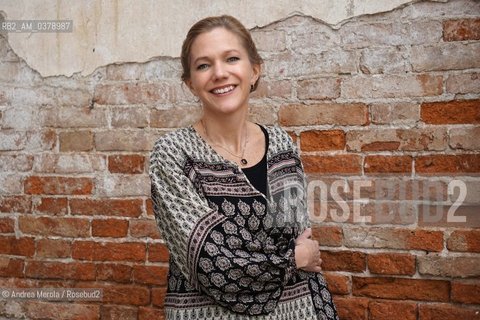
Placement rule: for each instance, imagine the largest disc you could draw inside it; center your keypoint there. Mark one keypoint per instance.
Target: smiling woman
(229, 196)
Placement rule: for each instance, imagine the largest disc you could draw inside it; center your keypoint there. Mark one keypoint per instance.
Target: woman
(229, 196)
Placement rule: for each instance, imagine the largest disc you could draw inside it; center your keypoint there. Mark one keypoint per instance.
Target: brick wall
(388, 102)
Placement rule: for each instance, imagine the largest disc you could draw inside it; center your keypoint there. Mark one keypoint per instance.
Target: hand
(307, 252)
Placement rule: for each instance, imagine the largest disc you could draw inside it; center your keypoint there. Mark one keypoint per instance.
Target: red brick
(58, 270)
(114, 228)
(130, 164)
(337, 114)
(388, 164)
(113, 312)
(58, 185)
(451, 112)
(399, 188)
(466, 292)
(158, 252)
(158, 296)
(423, 239)
(7, 225)
(316, 140)
(352, 308)
(391, 263)
(448, 216)
(442, 311)
(53, 248)
(76, 141)
(114, 272)
(448, 164)
(107, 207)
(53, 206)
(328, 235)
(461, 30)
(464, 240)
(337, 283)
(390, 212)
(343, 261)
(53, 310)
(142, 228)
(387, 310)
(11, 267)
(397, 139)
(150, 275)
(402, 289)
(11, 204)
(145, 313)
(393, 238)
(450, 266)
(17, 246)
(46, 226)
(95, 251)
(339, 164)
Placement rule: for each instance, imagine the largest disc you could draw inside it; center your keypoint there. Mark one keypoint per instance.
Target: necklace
(241, 157)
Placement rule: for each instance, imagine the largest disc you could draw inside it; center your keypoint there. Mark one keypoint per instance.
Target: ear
(256, 72)
(188, 82)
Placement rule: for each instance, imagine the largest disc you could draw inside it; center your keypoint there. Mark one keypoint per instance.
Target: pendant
(244, 161)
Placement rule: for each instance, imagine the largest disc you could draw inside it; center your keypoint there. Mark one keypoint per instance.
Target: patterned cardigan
(232, 247)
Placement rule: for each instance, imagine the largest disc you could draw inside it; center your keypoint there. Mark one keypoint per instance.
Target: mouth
(223, 90)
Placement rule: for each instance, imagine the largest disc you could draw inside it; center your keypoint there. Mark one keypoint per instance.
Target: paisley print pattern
(232, 247)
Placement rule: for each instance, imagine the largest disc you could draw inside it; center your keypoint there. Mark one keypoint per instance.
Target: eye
(202, 66)
(233, 59)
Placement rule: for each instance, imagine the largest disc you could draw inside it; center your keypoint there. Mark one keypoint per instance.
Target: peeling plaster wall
(116, 31)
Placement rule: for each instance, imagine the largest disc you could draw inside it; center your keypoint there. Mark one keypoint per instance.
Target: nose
(220, 71)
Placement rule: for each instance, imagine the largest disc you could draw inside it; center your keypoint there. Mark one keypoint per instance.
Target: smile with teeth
(223, 90)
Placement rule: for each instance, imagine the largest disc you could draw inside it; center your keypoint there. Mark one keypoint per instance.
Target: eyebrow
(226, 53)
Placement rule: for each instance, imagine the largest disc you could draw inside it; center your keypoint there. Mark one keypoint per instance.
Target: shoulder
(175, 139)
(174, 144)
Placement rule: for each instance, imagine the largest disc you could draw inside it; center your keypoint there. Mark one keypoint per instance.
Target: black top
(257, 174)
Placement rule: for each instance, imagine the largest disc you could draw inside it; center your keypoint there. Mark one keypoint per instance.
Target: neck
(226, 130)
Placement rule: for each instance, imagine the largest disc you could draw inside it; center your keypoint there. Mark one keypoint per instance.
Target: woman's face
(220, 71)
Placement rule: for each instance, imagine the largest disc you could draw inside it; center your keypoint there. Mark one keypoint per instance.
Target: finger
(318, 269)
(313, 269)
(306, 234)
